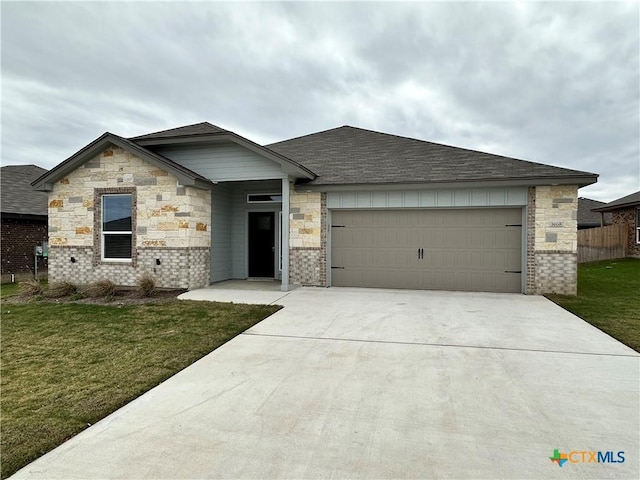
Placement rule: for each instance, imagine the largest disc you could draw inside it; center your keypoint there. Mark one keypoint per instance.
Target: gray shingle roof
(17, 195)
(587, 218)
(202, 128)
(349, 155)
(628, 201)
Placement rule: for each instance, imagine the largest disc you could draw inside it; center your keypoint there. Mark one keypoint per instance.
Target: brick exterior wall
(629, 216)
(530, 285)
(19, 239)
(308, 239)
(179, 267)
(171, 222)
(552, 242)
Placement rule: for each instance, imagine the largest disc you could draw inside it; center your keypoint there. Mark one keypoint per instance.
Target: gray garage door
(471, 250)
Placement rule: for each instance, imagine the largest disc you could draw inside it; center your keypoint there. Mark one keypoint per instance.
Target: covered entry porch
(250, 231)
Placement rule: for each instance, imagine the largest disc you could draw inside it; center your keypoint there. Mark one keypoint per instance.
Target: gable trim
(185, 176)
(289, 166)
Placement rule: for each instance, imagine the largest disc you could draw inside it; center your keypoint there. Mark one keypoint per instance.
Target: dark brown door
(261, 244)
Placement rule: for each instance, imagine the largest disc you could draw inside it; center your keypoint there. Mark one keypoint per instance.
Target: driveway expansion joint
(427, 344)
(279, 298)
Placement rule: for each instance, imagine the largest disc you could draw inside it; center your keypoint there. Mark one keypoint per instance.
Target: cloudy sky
(556, 83)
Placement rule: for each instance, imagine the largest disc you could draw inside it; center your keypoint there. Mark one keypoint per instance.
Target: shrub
(60, 289)
(30, 288)
(146, 285)
(101, 288)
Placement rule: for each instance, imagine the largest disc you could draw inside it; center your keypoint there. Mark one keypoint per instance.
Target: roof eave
(180, 139)
(616, 207)
(580, 181)
(25, 216)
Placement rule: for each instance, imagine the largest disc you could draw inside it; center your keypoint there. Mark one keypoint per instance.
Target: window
(638, 225)
(117, 227)
(264, 197)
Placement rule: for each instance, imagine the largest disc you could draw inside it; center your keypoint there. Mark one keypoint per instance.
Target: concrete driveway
(361, 383)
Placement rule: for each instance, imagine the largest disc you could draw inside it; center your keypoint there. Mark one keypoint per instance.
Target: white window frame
(249, 195)
(120, 232)
(638, 225)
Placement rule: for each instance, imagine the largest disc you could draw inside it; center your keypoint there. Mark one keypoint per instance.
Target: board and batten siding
(221, 220)
(446, 198)
(223, 162)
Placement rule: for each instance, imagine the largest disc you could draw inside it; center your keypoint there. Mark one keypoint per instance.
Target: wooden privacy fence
(602, 243)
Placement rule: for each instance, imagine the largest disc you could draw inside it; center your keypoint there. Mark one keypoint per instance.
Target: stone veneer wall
(308, 238)
(552, 242)
(629, 216)
(171, 224)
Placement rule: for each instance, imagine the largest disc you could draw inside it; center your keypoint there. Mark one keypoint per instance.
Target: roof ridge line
(177, 128)
(306, 135)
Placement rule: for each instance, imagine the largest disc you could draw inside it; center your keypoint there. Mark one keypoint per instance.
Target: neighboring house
(626, 210)
(343, 207)
(587, 218)
(24, 222)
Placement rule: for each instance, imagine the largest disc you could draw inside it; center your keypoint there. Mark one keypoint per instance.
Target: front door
(262, 244)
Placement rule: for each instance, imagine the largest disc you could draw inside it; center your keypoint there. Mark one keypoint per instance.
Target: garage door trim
(523, 236)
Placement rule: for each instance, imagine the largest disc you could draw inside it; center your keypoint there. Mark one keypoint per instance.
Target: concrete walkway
(361, 383)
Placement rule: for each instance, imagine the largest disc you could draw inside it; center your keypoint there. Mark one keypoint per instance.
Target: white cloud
(549, 82)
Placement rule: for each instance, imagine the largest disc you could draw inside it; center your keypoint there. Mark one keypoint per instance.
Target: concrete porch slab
(238, 291)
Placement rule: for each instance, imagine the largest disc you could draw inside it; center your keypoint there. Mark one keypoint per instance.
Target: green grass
(9, 289)
(65, 366)
(608, 298)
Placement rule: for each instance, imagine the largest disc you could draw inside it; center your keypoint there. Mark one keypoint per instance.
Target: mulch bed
(121, 297)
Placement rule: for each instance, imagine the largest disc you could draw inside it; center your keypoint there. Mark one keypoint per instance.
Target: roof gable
(206, 133)
(184, 175)
(202, 128)
(17, 195)
(349, 155)
(587, 217)
(627, 201)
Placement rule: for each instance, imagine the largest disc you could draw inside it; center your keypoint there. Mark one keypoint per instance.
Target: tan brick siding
(552, 240)
(179, 267)
(162, 205)
(308, 239)
(305, 213)
(171, 223)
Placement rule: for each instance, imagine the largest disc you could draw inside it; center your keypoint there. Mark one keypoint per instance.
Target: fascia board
(372, 187)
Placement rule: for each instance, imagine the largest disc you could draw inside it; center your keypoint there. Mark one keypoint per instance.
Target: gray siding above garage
(223, 162)
(462, 197)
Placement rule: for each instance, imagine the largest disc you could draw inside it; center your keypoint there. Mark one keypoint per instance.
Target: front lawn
(8, 289)
(608, 298)
(65, 366)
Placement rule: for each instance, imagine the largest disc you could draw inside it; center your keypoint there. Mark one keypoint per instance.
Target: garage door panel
(463, 249)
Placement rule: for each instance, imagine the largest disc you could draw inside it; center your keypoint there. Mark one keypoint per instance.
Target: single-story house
(587, 218)
(24, 222)
(626, 211)
(343, 207)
